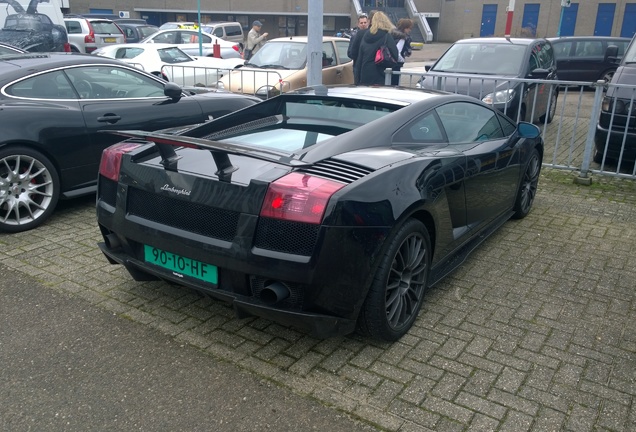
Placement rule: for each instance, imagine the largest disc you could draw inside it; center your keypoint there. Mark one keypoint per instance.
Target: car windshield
(482, 59)
(173, 55)
(281, 55)
(630, 55)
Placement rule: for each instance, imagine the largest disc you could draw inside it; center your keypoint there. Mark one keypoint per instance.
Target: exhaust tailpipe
(274, 292)
(112, 241)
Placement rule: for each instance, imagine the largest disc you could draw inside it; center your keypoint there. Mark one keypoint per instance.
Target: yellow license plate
(110, 40)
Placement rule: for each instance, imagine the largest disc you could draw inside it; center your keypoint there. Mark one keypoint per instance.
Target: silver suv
(85, 35)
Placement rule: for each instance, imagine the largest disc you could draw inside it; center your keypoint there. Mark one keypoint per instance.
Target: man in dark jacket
(366, 71)
(364, 22)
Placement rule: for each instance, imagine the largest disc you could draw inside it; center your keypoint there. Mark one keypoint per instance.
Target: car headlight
(608, 105)
(499, 97)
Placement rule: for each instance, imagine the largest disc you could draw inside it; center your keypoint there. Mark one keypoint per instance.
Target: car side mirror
(528, 130)
(173, 91)
(611, 54)
(540, 73)
(427, 67)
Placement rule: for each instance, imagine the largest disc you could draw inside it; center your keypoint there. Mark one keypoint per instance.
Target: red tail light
(110, 164)
(90, 37)
(67, 47)
(299, 197)
(236, 48)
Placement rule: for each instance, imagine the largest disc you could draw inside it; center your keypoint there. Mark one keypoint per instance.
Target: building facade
(450, 20)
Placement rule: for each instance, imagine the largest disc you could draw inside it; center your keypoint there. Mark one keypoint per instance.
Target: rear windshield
(25, 23)
(105, 27)
(302, 123)
(146, 31)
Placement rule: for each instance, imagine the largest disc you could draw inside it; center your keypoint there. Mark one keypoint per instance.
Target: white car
(188, 41)
(169, 62)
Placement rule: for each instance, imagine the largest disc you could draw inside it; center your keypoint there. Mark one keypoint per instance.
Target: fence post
(589, 142)
(388, 73)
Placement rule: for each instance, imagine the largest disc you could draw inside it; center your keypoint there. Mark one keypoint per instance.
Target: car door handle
(109, 118)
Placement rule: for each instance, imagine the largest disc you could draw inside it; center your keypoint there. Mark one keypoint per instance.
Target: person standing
(356, 39)
(402, 37)
(366, 72)
(363, 24)
(255, 40)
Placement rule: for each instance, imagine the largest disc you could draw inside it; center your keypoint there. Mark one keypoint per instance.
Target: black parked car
(484, 67)
(136, 31)
(53, 108)
(319, 208)
(584, 58)
(615, 137)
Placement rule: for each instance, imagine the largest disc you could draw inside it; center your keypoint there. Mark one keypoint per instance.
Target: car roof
(387, 94)
(134, 24)
(566, 38)
(500, 40)
(305, 39)
(13, 66)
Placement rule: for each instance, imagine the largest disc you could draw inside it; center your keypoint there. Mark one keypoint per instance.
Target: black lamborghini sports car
(327, 209)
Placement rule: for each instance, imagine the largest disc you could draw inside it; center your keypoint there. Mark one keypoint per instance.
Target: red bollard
(216, 50)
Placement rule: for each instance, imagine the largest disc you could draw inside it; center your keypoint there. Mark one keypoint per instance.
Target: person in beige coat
(255, 40)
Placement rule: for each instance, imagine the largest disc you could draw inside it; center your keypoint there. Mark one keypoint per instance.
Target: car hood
(468, 84)
(623, 75)
(249, 80)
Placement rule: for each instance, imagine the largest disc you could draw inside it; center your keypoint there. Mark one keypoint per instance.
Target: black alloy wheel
(528, 187)
(395, 296)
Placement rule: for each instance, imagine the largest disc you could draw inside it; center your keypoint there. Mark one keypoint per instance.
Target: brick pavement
(536, 331)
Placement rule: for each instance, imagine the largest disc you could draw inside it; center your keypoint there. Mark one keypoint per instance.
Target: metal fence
(570, 136)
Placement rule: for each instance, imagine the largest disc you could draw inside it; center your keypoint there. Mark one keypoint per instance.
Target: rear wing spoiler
(220, 151)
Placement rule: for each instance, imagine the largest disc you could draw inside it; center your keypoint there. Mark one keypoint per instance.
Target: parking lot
(535, 331)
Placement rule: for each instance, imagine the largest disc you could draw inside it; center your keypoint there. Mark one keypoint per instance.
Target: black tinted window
(424, 129)
(546, 55)
(233, 31)
(467, 122)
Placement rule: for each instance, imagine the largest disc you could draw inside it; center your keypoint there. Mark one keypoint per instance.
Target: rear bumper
(615, 144)
(317, 324)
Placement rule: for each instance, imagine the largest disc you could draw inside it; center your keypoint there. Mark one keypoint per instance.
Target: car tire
(395, 296)
(528, 186)
(597, 156)
(607, 75)
(29, 189)
(552, 111)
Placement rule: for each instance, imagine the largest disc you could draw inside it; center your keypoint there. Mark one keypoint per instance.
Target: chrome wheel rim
(406, 281)
(26, 189)
(530, 181)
